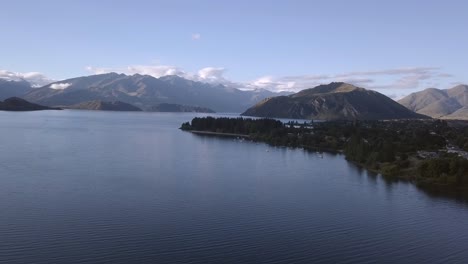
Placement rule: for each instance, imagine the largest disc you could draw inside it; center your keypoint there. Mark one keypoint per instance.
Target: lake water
(104, 187)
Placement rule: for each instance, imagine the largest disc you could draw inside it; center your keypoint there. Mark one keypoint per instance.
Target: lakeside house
(428, 154)
(460, 153)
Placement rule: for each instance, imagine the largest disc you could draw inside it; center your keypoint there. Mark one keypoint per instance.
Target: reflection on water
(391, 182)
(99, 187)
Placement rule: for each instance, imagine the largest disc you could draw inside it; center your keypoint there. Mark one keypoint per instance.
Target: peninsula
(430, 153)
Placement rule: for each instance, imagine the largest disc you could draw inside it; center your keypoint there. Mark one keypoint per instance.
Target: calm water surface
(102, 187)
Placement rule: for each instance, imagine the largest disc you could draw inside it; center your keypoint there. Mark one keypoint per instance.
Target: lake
(108, 187)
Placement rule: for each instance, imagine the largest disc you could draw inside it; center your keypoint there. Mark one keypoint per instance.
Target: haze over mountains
(120, 92)
(334, 101)
(144, 92)
(13, 88)
(446, 104)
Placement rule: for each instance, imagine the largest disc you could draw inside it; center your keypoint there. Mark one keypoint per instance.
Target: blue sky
(395, 47)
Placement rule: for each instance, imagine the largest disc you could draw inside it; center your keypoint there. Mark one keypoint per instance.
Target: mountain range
(142, 91)
(446, 104)
(13, 88)
(112, 91)
(334, 101)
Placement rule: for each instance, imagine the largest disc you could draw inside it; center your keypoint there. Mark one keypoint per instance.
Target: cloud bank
(396, 79)
(36, 79)
(208, 74)
(395, 82)
(60, 86)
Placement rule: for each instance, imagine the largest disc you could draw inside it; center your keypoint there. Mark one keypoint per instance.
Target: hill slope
(13, 88)
(105, 106)
(145, 92)
(335, 101)
(18, 104)
(164, 107)
(447, 104)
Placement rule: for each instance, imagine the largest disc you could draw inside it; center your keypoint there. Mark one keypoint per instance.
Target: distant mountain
(105, 106)
(165, 107)
(447, 104)
(10, 88)
(18, 104)
(334, 101)
(260, 94)
(145, 92)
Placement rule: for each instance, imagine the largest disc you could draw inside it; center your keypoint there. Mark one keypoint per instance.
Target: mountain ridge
(334, 101)
(145, 91)
(439, 103)
(9, 88)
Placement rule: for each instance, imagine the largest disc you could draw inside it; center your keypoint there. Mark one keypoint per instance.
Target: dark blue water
(102, 187)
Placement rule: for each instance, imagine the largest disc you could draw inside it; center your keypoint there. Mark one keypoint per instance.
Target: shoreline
(199, 132)
(402, 175)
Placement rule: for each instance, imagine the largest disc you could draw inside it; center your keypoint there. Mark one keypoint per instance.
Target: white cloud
(60, 86)
(394, 79)
(264, 82)
(395, 82)
(95, 70)
(152, 70)
(389, 81)
(211, 73)
(36, 79)
(270, 83)
(397, 71)
(207, 74)
(196, 36)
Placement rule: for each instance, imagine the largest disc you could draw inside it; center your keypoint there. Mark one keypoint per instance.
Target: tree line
(388, 147)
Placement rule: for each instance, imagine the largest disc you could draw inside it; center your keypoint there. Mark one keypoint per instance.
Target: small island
(430, 153)
(18, 104)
